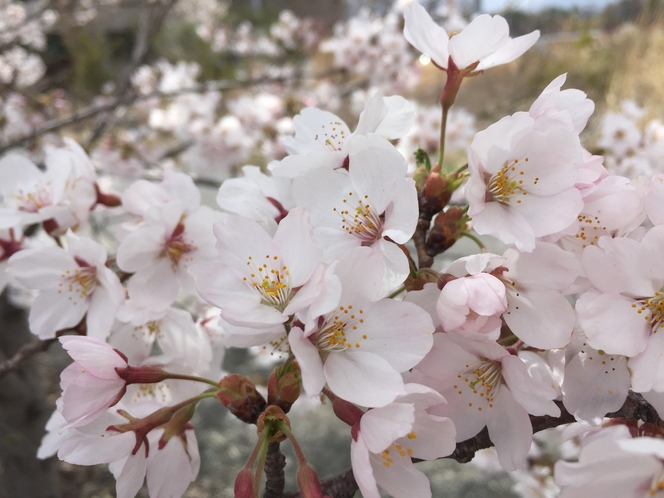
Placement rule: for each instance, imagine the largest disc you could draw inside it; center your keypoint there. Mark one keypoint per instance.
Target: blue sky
(534, 5)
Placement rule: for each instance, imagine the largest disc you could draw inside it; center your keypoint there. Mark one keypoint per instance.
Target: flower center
(79, 283)
(35, 199)
(656, 486)
(480, 382)
(176, 247)
(397, 450)
(271, 280)
(335, 333)
(590, 230)
(332, 136)
(652, 309)
(507, 182)
(359, 219)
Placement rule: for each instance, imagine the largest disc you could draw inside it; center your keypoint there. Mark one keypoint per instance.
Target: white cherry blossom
(485, 40)
(73, 284)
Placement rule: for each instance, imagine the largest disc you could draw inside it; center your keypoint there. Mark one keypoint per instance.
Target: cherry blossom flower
(160, 252)
(91, 384)
(360, 348)
(73, 283)
(485, 385)
(570, 105)
(173, 329)
(623, 315)
(364, 206)
(484, 41)
(31, 196)
(322, 139)
(264, 199)
(612, 207)
(389, 436)
(168, 461)
(537, 311)
(473, 304)
(522, 179)
(614, 468)
(261, 280)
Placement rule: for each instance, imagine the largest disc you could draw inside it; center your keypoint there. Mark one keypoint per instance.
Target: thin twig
(23, 353)
(93, 110)
(151, 20)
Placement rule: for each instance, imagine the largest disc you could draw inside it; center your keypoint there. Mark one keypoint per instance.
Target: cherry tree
(334, 257)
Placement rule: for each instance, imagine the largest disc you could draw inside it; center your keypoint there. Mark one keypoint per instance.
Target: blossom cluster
(327, 256)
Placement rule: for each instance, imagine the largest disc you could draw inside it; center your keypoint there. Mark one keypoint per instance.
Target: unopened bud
(446, 230)
(239, 395)
(308, 482)
(271, 420)
(284, 386)
(244, 484)
(142, 375)
(435, 194)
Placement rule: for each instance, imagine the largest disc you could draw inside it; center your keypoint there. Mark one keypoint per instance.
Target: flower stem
(476, 240)
(396, 292)
(443, 128)
(192, 377)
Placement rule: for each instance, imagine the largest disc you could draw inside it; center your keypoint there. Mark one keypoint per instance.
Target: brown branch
(275, 462)
(419, 239)
(635, 408)
(24, 352)
(94, 110)
(151, 19)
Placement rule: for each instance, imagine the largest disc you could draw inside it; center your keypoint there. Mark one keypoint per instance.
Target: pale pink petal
(93, 355)
(169, 470)
(308, 357)
(622, 265)
(362, 378)
(510, 431)
(435, 437)
(647, 367)
(362, 469)
(399, 332)
(401, 479)
(155, 287)
(141, 248)
(542, 319)
(483, 36)
(595, 384)
(294, 242)
(52, 311)
(402, 213)
(528, 392)
(375, 166)
(238, 238)
(41, 269)
(380, 427)
(425, 35)
(612, 324)
(399, 118)
(82, 449)
(511, 50)
(298, 165)
(130, 480)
